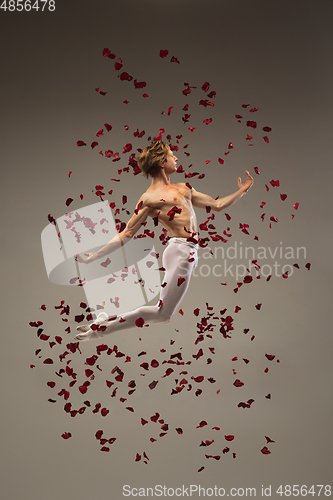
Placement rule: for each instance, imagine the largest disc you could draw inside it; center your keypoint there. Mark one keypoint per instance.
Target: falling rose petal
(285, 275)
(196, 312)
(252, 124)
(275, 183)
(238, 383)
(106, 263)
(104, 412)
(216, 457)
(139, 85)
(66, 435)
(237, 309)
(269, 440)
(268, 396)
(256, 169)
(273, 219)
(164, 53)
(205, 87)
(94, 144)
(180, 281)
(48, 361)
(258, 306)
(201, 424)
(81, 143)
(266, 129)
(69, 201)
(308, 265)
(220, 161)
(179, 430)
(139, 322)
(245, 105)
(266, 139)
(138, 457)
(296, 206)
(266, 370)
(230, 437)
(153, 384)
(283, 196)
(207, 121)
(270, 357)
(253, 110)
(106, 52)
(265, 451)
(174, 59)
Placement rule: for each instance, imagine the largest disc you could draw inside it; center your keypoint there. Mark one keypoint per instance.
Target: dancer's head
(152, 157)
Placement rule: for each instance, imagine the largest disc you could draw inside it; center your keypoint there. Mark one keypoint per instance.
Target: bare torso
(163, 199)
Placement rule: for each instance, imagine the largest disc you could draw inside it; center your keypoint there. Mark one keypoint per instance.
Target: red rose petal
(164, 53)
(139, 322)
(66, 435)
(48, 361)
(238, 383)
(230, 437)
(265, 451)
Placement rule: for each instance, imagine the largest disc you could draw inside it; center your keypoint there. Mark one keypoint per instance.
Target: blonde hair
(150, 158)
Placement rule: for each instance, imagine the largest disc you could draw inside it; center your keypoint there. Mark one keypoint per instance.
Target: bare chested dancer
(173, 205)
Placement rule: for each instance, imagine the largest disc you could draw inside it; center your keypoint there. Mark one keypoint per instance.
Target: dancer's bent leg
(179, 260)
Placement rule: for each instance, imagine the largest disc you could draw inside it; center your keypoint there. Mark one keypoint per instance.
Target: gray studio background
(274, 55)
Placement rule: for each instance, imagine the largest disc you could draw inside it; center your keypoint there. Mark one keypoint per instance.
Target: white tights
(179, 259)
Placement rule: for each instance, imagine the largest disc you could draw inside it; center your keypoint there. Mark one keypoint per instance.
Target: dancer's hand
(245, 186)
(90, 258)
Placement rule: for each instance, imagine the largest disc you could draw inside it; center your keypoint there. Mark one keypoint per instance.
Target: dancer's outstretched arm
(138, 218)
(201, 200)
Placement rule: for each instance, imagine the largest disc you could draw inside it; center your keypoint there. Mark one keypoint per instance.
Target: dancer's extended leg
(179, 260)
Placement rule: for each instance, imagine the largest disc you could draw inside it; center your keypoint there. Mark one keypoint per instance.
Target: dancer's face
(170, 165)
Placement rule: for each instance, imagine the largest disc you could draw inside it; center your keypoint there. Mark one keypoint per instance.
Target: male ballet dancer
(173, 205)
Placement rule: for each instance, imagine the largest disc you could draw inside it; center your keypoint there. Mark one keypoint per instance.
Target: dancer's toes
(89, 335)
(100, 319)
(83, 328)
